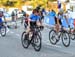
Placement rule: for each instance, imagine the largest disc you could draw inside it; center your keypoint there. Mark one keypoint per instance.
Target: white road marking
(11, 32)
(17, 35)
(73, 40)
(7, 30)
(51, 45)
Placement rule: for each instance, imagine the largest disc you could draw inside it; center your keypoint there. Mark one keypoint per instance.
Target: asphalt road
(10, 46)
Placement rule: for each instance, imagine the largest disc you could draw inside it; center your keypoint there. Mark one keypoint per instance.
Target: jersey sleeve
(31, 16)
(38, 18)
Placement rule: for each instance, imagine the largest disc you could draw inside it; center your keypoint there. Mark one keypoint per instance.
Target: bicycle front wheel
(3, 31)
(24, 40)
(37, 42)
(72, 36)
(65, 39)
(52, 37)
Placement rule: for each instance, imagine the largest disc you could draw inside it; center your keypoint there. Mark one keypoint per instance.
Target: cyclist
(33, 20)
(58, 21)
(53, 13)
(42, 13)
(26, 20)
(1, 15)
(38, 7)
(24, 15)
(74, 25)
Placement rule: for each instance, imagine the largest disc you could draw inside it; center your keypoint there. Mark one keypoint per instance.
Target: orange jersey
(74, 22)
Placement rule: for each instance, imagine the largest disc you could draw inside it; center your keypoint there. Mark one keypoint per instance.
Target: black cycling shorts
(56, 21)
(32, 24)
(26, 22)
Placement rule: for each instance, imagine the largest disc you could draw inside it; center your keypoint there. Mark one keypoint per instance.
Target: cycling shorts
(56, 21)
(32, 24)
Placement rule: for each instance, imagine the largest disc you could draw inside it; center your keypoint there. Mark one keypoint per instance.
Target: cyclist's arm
(58, 21)
(4, 18)
(29, 22)
(38, 21)
(66, 20)
(29, 19)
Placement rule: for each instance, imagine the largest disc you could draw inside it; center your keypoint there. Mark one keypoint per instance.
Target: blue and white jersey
(34, 17)
(60, 16)
(1, 20)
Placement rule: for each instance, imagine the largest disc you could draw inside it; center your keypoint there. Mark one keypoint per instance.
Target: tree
(67, 1)
(9, 3)
(52, 0)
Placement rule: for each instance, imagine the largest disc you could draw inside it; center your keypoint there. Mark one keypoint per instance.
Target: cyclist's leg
(29, 28)
(1, 24)
(32, 26)
(25, 24)
(58, 23)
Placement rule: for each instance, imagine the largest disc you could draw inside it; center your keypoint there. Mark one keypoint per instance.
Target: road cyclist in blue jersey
(2, 26)
(1, 21)
(32, 35)
(58, 20)
(59, 31)
(33, 20)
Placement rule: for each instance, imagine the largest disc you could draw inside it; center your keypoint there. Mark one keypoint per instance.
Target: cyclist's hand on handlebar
(69, 26)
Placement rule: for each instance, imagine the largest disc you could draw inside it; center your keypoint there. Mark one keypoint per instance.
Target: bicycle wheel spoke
(37, 42)
(25, 42)
(52, 37)
(65, 39)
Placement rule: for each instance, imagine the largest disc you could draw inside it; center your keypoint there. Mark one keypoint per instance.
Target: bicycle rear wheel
(72, 36)
(3, 31)
(52, 37)
(65, 39)
(24, 40)
(37, 42)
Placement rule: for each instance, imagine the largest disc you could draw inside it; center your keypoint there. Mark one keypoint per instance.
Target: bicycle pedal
(57, 40)
(32, 42)
(29, 38)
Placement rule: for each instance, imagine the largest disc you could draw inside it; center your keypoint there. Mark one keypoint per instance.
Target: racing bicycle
(2, 29)
(33, 37)
(54, 37)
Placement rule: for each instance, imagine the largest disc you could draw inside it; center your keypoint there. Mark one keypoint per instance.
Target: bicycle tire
(72, 36)
(51, 38)
(37, 47)
(24, 39)
(3, 27)
(67, 37)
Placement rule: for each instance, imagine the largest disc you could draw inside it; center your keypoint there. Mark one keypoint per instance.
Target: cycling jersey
(60, 16)
(34, 18)
(1, 20)
(52, 14)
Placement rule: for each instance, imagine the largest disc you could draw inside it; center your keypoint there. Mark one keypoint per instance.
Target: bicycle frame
(34, 32)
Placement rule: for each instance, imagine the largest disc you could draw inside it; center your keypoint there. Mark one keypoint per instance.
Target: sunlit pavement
(10, 46)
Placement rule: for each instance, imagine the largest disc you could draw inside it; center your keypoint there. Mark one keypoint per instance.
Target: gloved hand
(41, 27)
(69, 26)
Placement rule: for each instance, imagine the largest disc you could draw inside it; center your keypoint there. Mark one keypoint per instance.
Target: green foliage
(52, 0)
(9, 3)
